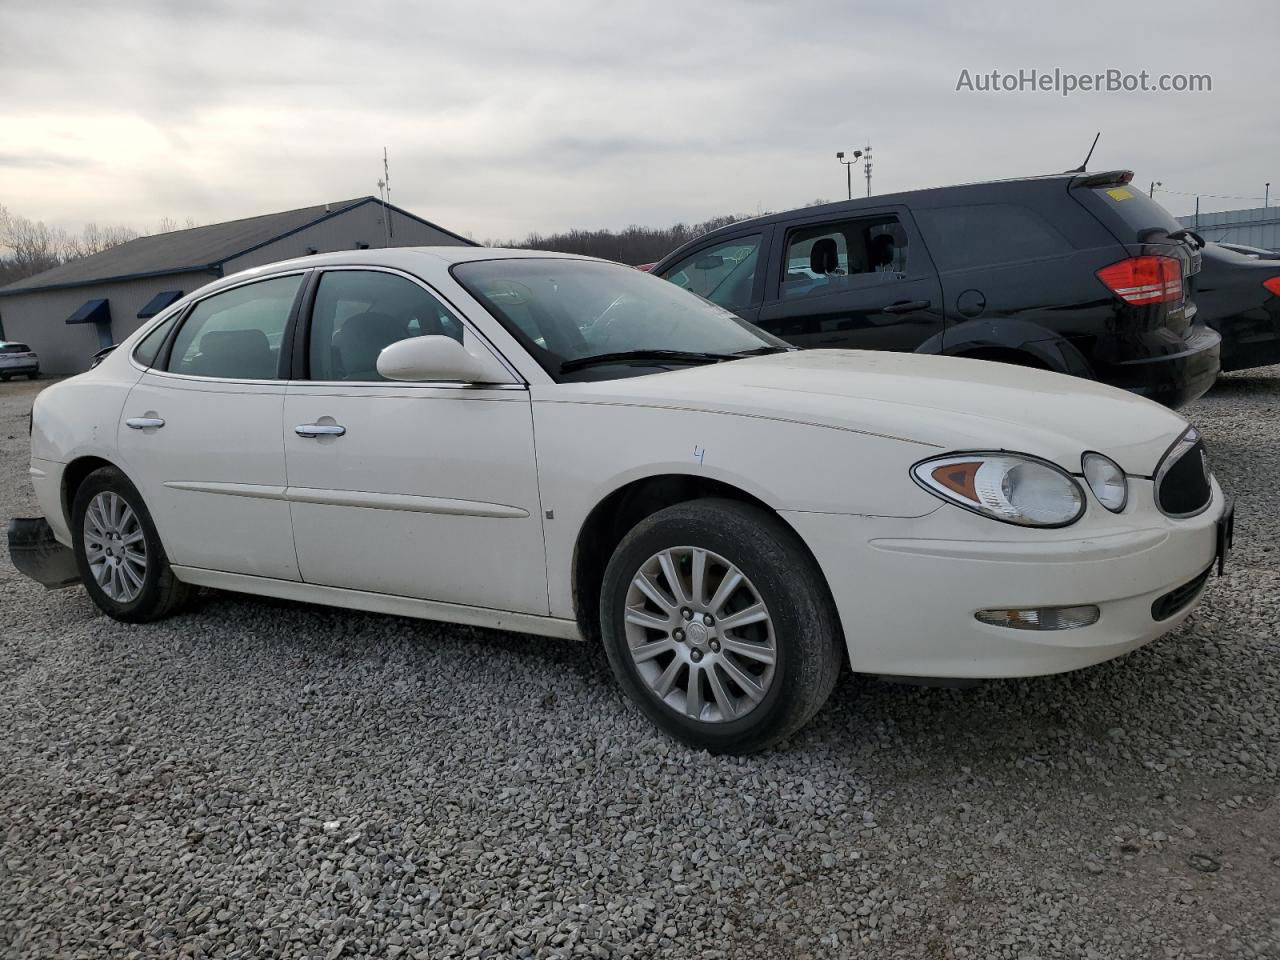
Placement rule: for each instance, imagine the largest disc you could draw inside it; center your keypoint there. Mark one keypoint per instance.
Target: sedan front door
(425, 490)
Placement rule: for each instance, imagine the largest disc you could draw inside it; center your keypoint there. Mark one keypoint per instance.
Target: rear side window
(236, 334)
(149, 346)
(988, 234)
(725, 274)
(831, 257)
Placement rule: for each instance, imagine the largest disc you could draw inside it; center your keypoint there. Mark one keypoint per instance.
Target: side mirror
(435, 357)
(711, 261)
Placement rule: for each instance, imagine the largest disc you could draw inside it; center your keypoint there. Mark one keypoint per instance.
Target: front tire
(122, 563)
(718, 625)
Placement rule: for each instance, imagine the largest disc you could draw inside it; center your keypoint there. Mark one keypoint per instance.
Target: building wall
(345, 232)
(1259, 227)
(39, 318)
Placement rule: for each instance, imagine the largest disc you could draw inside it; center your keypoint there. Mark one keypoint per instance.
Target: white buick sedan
(569, 447)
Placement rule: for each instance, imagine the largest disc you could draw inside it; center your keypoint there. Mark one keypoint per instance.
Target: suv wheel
(122, 564)
(718, 624)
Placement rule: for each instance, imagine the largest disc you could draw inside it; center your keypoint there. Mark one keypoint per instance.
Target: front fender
(587, 451)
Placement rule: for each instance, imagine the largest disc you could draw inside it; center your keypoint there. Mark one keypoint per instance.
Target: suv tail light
(1144, 280)
(1273, 285)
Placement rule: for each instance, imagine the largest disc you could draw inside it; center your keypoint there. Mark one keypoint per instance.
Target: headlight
(1106, 480)
(1012, 487)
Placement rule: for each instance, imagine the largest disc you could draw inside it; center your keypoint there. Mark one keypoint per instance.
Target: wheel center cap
(696, 634)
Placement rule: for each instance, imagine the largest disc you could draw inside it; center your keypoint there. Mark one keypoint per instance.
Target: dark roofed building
(57, 312)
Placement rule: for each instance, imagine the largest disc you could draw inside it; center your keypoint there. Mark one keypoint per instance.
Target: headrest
(824, 258)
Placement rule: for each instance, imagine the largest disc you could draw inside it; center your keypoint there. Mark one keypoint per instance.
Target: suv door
(863, 282)
(425, 490)
(727, 272)
(200, 431)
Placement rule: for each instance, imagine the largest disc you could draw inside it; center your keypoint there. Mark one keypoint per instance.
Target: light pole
(1154, 184)
(1266, 199)
(848, 167)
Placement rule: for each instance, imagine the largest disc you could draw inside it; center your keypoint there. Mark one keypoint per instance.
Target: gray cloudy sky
(502, 118)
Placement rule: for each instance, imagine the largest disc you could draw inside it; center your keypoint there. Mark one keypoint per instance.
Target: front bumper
(38, 555)
(907, 590)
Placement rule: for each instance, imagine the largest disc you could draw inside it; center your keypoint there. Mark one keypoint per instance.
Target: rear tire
(706, 679)
(122, 563)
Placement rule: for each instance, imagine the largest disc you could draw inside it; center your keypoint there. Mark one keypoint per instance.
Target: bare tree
(634, 245)
(94, 239)
(32, 246)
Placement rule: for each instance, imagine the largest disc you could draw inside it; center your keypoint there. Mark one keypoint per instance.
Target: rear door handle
(319, 430)
(906, 306)
(142, 423)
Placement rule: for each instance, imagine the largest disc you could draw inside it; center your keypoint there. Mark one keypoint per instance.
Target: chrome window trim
(1188, 439)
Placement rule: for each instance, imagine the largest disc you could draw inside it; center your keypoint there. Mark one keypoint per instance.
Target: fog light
(1041, 618)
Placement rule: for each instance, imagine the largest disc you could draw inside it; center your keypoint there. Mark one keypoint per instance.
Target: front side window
(576, 316)
(358, 313)
(236, 334)
(725, 273)
(832, 257)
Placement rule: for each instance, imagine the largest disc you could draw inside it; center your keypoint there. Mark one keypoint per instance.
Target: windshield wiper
(762, 351)
(645, 357)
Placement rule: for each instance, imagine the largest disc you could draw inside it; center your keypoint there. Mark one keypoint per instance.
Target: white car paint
(465, 503)
(17, 359)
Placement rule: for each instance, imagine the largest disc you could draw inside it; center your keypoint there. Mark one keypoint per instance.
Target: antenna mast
(384, 193)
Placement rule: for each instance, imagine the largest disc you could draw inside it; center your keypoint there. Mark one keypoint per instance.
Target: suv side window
(358, 313)
(832, 257)
(986, 234)
(725, 273)
(236, 334)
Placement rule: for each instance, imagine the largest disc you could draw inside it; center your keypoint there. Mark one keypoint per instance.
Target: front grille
(1178, 598)
(1182, 483)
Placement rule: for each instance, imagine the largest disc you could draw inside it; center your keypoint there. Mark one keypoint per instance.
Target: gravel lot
(258, 778)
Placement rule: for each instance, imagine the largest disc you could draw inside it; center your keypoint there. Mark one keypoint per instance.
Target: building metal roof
(194, 249)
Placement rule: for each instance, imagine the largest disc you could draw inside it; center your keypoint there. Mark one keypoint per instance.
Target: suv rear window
(1128, 211)
(985, 234)
(14, 348)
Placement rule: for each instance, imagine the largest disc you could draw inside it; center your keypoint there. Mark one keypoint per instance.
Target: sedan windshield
(584, 319)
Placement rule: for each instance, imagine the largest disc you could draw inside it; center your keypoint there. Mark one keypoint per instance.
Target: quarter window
(833, 257)
(987, 234)
(149, 346)
(358, 313)
(236, 334)
(725, 273)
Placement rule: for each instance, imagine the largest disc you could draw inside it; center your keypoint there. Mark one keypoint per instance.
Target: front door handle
(906, 306)
(142, 423)
(319, 430)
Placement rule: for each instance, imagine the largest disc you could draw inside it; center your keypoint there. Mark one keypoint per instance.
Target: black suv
(1075, 272)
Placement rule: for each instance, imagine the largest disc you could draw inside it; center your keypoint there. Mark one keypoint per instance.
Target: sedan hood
(944, 403)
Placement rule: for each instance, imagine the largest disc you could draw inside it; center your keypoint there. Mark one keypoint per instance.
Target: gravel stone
(257, 778)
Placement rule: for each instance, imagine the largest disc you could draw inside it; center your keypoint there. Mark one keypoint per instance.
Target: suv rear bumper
(1172, 379)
